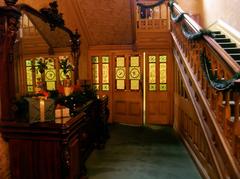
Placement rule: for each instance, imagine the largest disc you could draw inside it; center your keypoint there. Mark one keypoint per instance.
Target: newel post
(9, 22)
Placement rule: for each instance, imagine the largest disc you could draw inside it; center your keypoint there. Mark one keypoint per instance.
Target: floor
(142, 153)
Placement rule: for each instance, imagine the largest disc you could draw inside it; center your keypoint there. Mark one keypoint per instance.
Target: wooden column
(9, 20)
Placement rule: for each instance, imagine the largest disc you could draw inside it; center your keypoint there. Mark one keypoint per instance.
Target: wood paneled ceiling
(102, 22)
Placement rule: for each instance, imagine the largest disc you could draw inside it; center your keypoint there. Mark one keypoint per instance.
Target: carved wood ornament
(9, 25)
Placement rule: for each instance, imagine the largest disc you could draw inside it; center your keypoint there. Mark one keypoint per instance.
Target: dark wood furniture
(58, 149)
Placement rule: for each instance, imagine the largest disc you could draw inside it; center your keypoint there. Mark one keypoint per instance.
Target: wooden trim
(212, 43)
(225, 146)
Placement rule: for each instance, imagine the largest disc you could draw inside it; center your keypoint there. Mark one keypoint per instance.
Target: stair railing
(220, 107)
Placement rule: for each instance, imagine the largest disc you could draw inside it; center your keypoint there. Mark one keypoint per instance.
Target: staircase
(227, 44)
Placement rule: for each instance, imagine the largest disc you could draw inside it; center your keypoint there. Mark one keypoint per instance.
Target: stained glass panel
(134, 84)
(105, 73)
(163, 73)
(152, 87)
(105, 87)
(105, 59)
(120, 61)
(95, 71)
(152, 59)
(152, 72)
(162, 58)
(163, 87)
(95, 59)
(134, 61)
(120, 84)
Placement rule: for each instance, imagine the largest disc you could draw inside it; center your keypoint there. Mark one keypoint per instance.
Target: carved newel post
(9, 21)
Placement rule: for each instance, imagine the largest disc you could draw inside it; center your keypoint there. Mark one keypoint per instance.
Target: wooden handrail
(235, 68)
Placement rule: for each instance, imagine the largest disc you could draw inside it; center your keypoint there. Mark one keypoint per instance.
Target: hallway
(142, 153)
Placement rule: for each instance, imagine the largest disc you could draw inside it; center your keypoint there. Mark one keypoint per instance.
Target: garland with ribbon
(151, 5)
(177, 18)
(219, 85)
(194, 36)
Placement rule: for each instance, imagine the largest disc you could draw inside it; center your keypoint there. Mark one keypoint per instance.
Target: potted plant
(67, 67)
(41, 66)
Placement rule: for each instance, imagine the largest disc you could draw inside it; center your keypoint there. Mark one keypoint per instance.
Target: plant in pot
(41, 66)
(67, 68)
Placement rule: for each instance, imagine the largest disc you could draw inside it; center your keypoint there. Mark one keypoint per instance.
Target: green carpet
(142, 153)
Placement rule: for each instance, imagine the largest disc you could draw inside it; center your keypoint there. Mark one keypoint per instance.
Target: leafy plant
(65, 65)
(41, 65)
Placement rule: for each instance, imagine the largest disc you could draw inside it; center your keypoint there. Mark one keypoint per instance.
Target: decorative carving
(54, 18)
(10, 2)
(75, 46)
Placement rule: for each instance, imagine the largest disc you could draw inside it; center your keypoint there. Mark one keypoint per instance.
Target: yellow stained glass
(120, 61)
(134, 61)
(105, 73)
(105, 59)
(28, 63)
(152, 87)
(50, 63)
(96, 87)
(95, 71)
(152, 59)
(134, 84)
(95, 59)
(30, 88)
(50, 75)
(134, 73)
(29, 76)
(51, 85)
(63, 76)
(120, 73)
(162, 58)
(163, 87)
(163, 73)
(105, 87)
(120, 84)
(152, 72)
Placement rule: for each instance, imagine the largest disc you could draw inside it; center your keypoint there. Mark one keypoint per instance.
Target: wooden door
(159, 88)
(127, 89)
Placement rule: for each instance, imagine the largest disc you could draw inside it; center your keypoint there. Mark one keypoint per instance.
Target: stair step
(232, 50)
(227, 45)
(219, 36)
(216, 32)
(222, 40)
(235, 56)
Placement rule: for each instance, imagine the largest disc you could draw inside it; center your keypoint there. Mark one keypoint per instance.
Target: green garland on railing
(220, 85)
(194, 36)
(151, 5)
(177, 18)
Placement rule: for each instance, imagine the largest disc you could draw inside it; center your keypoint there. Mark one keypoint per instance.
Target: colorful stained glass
(30, 89)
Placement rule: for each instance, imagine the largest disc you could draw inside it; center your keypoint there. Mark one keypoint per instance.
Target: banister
(233, 65)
